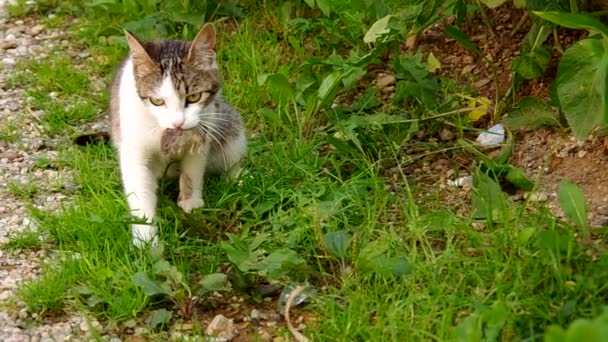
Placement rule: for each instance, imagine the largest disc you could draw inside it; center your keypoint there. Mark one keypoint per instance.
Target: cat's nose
(177, 124)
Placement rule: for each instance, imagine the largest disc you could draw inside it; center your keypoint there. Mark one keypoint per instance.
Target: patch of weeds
(25, 191)
(51, 290)
(9, 132)
(27, 239)
(167, 280)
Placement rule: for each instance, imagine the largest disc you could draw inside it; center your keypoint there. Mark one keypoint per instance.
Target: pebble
(221, 328)
(385, 81)
(24, 40)
(36, 30)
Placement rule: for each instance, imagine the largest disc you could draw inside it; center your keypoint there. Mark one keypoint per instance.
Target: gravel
(27, 39)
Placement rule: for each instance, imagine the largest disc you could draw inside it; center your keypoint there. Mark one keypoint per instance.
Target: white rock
(221, 328)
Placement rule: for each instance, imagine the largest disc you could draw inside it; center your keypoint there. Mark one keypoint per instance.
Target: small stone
(184, 327)
(8, 44)
(481, 83)
(386, 81)
(130, 324)
(222, 328)
(265, 336)
(581, 153)
(9, 61)
(467, 69)
(536, 197)
(5, 295)
(468, 60)
(9, 155)
(36, 30)
(446, 134)
(255, 314)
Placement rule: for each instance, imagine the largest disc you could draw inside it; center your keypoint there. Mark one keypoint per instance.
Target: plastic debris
(460, 182)
(493, 136)
(305, 294)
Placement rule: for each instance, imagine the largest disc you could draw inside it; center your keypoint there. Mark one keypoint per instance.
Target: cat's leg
(140, 183)
(191, 181)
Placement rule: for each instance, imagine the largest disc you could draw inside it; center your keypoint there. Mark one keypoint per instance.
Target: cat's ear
(205, 40)
(140, 55)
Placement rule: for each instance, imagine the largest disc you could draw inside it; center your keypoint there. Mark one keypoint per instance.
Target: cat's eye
(192, 98)
(157, 102)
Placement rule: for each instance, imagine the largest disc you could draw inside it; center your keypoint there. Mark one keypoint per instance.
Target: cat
(168, 93)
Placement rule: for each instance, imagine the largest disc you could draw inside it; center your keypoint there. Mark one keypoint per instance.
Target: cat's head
(177, 81)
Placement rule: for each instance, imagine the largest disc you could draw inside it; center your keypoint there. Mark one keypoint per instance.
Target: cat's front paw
(144, 235)
(190, 204)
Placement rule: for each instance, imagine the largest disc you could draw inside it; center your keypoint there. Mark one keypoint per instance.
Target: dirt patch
(555, 157)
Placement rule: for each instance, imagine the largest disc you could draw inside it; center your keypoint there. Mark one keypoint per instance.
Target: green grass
(414, 269)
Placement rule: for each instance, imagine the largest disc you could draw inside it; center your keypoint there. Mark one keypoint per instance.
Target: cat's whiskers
(212, 136)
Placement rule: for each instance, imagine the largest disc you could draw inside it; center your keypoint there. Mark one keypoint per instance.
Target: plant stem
(485, 19)
(556, 42)
(519, 24)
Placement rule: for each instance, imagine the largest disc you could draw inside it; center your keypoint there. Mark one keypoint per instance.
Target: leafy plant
(580, 330)
(572, 202)
(251, 261)
(168, 281)
(581, 87)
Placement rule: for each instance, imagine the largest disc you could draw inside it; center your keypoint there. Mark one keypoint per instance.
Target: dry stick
(296, 334)
(485, 19)
(520, 23)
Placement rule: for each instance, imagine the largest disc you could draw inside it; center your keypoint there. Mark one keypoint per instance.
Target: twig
(296, 334)
(485, 19)
(519, 24)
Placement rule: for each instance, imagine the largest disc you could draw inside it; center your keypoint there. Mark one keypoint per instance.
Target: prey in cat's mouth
(167, 106)
(176, 142)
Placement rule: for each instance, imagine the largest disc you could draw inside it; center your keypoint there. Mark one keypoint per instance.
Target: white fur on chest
(138, 128)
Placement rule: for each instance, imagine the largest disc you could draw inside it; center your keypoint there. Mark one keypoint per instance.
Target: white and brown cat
(167, 108)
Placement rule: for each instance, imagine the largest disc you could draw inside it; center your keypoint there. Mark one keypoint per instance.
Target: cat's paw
(190, 204)
(144, 235)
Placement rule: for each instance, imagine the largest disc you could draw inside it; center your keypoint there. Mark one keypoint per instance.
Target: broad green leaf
(160, 317)
(575, 21)
(280, 262)
(150, 286)
(433, 63)
(584, 330)
(384, 265)
(519, 3)
(518, 178)
(324, 6)
(310, 3)
(279, 87)
(531, 112)
(555, 334)
(493, 3)
(351, 78)
(532, 63)
(488, 199)
(379, 28)
(581, 85)
(328, 86)
(462, 39)
(214, 282)
(572, 202)
(337, 243)
(525, 235)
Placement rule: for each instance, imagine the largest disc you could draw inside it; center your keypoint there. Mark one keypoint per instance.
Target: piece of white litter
(493, 136)
(460, 182)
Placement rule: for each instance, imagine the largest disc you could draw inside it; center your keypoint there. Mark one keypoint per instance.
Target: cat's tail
(93, 138)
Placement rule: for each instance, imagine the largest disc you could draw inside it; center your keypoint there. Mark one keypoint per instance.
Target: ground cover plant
(335, 195)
